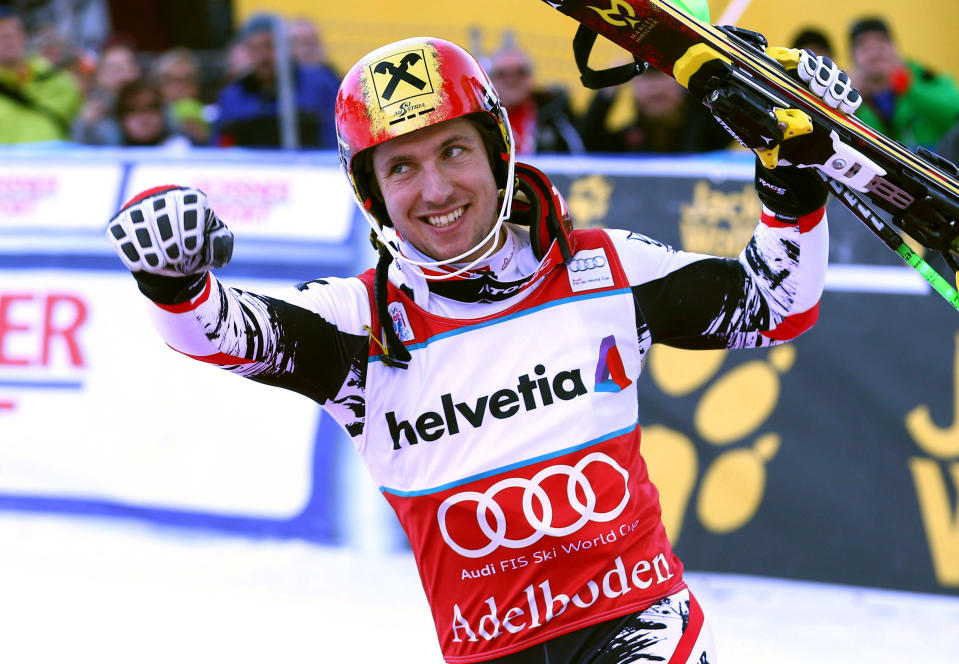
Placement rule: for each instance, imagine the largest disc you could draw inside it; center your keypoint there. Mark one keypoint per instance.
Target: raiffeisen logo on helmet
(400, 77)
(529, 394)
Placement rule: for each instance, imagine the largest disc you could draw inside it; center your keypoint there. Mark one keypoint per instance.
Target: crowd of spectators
(51, 90)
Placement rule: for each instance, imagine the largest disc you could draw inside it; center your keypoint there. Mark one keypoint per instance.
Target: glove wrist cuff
(805, 222)
(167, 290)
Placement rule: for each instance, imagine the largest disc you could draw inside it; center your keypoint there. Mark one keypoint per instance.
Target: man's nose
(437, 187)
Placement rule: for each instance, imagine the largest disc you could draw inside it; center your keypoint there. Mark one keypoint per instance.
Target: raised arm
(308, 338)
(769, 294)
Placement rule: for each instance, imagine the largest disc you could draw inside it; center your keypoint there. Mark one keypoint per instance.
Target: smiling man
(486, 369)
(439, 190)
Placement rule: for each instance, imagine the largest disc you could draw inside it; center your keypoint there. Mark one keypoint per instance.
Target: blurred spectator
(177, 74)
(48, 42)
(542, 119)
(238, 62)
(666, 119)
(814, 40)
(117, 66)
(903, 99)
(248, 109)
(141, 118)
(37, 101)
(306, 47)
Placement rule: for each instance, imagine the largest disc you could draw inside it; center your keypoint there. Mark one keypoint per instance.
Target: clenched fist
(170, 231)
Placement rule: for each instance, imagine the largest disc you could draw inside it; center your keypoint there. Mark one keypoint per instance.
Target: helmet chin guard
(405, 86)
(541, 207)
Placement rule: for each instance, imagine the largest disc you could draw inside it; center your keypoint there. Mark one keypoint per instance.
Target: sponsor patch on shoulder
(589, 270)
(401, 323)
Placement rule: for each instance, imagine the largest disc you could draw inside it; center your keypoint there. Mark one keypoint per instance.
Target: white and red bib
(510, 450)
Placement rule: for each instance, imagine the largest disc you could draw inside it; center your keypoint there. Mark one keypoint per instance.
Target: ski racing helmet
(408, 85)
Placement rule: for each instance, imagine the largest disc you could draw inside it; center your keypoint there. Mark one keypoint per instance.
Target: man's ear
(363, 171)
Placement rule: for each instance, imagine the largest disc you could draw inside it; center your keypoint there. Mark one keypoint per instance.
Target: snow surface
(90, 590)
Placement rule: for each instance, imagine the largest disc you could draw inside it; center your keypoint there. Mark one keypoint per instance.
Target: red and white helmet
(409, 85)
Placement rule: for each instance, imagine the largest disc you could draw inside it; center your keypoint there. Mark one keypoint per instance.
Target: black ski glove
(790, 191)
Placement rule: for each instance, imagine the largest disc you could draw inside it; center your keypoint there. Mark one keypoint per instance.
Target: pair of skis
(748, 86)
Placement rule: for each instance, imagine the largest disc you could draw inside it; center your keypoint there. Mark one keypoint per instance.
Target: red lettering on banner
(53, 319)
(20, 194)
(67, 332)
(246, 201)
(8, 326)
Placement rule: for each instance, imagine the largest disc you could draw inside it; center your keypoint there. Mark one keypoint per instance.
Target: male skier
(486, 369)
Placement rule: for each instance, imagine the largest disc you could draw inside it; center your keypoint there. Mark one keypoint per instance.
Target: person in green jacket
(37, 101)
(903, 99)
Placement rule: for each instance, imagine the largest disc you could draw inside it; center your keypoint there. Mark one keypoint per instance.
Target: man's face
(142, 121)
(305, 43)
(259, 49)
(13, 43)
(657, 95)
(874, 54)
(439, 188)
(118, 66)
(511, 73)
(180, 81)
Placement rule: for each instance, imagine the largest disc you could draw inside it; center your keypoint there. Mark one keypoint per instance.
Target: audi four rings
(583, 264)
(485, 502)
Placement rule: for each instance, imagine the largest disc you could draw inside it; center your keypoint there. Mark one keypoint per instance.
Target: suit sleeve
(769, 294)
(308, 338)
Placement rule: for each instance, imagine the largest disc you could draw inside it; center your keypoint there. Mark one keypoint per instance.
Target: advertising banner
(305, 203)
(94, 407)
(37, 195)
(832, 458)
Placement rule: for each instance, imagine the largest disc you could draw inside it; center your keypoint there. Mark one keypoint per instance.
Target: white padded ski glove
(170, 231)
(828, 81)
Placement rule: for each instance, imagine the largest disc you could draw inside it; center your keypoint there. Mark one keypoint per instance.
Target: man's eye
(397, 169)
(454, 150)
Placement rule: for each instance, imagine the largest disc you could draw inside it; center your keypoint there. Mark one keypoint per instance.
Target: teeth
(446, 219)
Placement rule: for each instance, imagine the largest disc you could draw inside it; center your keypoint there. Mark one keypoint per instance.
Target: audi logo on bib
(583, 264)
(579, 495)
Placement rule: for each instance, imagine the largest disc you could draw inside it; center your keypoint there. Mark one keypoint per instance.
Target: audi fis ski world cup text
(589, 270)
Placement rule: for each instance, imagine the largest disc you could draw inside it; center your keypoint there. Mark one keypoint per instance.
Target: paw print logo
(588, 200)
(730, 411)
(935, 473)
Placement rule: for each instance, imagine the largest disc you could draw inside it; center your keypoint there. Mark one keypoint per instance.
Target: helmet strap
(395, 354)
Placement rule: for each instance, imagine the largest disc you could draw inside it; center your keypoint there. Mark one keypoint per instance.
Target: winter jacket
(37, 104)
(249, 114)
(924, 105)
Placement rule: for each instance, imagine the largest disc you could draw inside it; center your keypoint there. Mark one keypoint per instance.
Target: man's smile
(444, 220)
